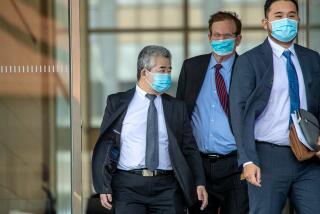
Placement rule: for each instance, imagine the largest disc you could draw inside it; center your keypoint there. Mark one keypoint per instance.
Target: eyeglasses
(224, 36)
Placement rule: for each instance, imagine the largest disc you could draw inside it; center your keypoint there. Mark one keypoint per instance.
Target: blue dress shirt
(209, 122)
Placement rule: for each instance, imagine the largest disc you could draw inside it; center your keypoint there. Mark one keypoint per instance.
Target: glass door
(37, 106)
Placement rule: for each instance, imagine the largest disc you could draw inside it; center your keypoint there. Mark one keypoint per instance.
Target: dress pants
(283, 176)
(227, 193)
(136, 194)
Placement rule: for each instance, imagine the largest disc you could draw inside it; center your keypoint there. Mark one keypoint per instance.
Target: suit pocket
(111, 159)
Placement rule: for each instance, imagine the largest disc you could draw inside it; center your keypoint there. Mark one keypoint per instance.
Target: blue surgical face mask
(284, 30)
(223, 47)
(161, 82)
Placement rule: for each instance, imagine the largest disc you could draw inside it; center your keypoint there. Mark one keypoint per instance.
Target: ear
(143, 72)
(264, 23)
(209, 37)
(238, 40)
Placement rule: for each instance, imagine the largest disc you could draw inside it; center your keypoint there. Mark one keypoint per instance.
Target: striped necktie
(221, 88)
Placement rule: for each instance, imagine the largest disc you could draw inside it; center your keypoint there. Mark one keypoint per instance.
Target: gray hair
(147, 55)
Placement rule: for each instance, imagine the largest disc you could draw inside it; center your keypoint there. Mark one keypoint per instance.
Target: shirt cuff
(246, 163)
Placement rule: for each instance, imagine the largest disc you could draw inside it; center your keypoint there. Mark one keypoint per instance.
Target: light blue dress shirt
(210, 124)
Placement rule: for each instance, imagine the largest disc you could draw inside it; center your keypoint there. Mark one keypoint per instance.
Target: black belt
(148, 173)
(272, 144)
(215, 156)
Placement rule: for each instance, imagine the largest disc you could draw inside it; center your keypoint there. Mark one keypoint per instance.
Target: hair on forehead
(268, 3)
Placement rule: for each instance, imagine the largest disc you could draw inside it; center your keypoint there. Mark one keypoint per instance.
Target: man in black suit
(269, 83)
(204, 84)
(146, 159)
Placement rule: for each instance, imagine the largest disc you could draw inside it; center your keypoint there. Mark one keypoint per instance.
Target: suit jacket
(183, 151)
(191, 78)
(251, 87)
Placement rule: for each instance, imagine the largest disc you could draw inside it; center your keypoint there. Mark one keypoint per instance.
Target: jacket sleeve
(181, 83)
(100, 176)
(191, 151)
(242, 86)
(319, 83)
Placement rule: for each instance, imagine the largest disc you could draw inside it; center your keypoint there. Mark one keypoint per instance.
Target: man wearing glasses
(204, 85)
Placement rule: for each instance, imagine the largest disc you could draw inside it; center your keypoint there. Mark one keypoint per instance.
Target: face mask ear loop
(146, 78)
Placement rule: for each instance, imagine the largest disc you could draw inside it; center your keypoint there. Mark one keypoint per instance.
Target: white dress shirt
(273, 124)
(133, 134)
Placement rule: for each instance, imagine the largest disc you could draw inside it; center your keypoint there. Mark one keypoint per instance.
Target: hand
(202, 196)
(106, 200)
(252, 174)
(318, 153)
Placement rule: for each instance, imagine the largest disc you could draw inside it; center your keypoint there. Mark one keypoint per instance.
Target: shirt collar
(141, 93)
(226, 64)
(278, 49)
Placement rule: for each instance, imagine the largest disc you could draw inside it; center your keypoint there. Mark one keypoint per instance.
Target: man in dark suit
(204, 84)
(269, 83)
(146, 159)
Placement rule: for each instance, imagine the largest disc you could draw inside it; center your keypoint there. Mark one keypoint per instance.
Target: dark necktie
(152, 139)
(293, 84)
(221, 88)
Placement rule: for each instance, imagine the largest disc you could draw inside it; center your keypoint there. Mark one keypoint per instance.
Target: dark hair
(147, 55)
(225, 15)
(268, 4)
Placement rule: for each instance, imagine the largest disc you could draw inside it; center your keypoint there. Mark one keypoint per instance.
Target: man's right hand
(252, 174)
(106, 200)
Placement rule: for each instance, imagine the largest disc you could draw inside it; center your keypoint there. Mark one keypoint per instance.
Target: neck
(145, 86)
(285, 45)
(220, 59)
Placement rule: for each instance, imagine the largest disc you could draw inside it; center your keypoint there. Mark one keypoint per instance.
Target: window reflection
(34, 107)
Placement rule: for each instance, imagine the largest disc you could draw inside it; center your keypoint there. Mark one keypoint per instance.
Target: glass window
(35, 141)
(314, 12)
(314, 25)
(314, 39)
(250, 11)
(134, 13)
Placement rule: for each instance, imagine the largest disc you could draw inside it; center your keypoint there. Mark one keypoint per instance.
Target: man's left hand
(318, 153)
(202, 196)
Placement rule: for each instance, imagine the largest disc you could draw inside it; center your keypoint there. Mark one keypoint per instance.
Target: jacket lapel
(167, 110)
(265, 81)
(304, 64)
(268, 60)
(122, 107)
(200, 74)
